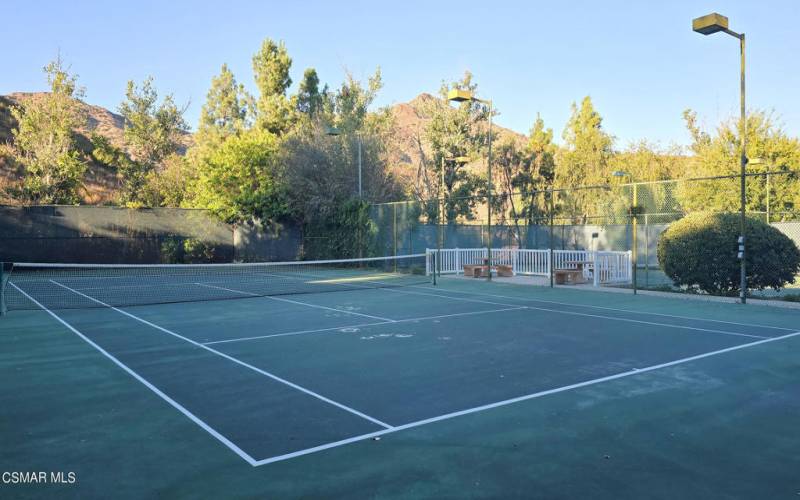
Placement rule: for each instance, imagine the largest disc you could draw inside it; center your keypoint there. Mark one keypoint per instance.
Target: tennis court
(358, 378)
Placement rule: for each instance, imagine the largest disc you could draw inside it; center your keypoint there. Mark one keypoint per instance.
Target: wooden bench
(504, 271)
(480, 271)
(473, 270)
(568, 276)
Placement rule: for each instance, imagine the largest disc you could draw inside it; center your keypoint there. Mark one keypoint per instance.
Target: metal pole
(743, 163)
(3, 281)
(489, 211)
(439, 233)
(359, 166)
(646, 251)
(394, 234)
(768, 218)
(635, 230)
(552, 220)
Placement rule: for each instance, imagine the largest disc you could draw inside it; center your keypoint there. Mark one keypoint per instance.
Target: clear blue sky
(640, 61)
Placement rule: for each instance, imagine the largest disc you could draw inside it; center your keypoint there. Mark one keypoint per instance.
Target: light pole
(707, 25)
(458, 95)
(333, 131)
(634, 216)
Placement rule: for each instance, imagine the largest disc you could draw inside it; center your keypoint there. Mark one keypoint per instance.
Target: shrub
(700, 251)
(197, 252)
(172, 250)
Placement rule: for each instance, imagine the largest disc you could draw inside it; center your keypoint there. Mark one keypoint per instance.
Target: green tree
(153, 131)
(647, 163)
(450, 132)
(536, 175)
(510, 163)
(309, 99)
(228, 106)
(348, 110)
(271, 66)
(718, 153)
(168, 185)
(44, 140)
(238, 180)
(584, 161)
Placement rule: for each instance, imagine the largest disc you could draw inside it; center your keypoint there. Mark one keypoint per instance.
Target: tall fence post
(3, 281)
(394, 234)
(646, 251)
(596, 273)
(552, 228)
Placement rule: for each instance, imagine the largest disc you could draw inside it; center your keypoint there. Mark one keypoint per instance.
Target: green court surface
(464, 389)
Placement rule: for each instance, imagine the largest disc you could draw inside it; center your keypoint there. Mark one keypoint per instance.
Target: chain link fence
(624, 216)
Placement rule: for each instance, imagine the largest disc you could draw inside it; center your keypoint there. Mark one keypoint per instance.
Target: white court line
(147, 384)
(558, 311)
(526, 397)
(406, 320)
(231, 358)
(281, 299)
(404, 426)
(572, 304)
(574, 313)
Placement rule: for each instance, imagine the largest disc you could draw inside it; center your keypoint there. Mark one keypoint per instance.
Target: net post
(435, 265)
(4, 268)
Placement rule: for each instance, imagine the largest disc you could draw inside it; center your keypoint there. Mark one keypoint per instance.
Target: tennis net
(74, 286)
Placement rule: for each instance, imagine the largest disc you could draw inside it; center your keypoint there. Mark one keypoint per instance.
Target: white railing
(598, 267)
(612, 267)
(533, 262)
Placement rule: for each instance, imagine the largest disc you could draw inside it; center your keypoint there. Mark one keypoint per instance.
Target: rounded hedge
(700, 251)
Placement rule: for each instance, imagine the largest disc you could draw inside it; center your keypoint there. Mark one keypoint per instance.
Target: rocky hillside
(410, 120)
(101, 182)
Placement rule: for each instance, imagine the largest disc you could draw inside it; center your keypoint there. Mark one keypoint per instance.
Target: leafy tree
(309, 99)
(510, 162)
(452, 132)
(583, 161)
(271, 66)
(152, 132)
(238, 180)
(321, 170)
(168, 186)
(647, 163)
(348, 107)
(718, 154)
(536, 175)
(321, 175)
(228, 106)
(44, 140)
(106, 154)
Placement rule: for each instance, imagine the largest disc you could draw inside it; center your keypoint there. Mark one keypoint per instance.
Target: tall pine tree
(271, 66)
(583, 160)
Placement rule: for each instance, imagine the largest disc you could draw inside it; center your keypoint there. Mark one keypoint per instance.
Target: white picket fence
(601, 268)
